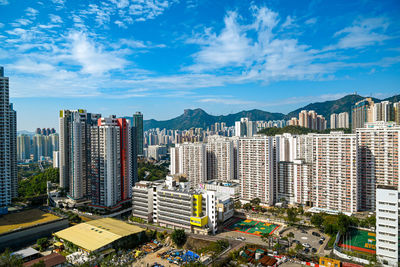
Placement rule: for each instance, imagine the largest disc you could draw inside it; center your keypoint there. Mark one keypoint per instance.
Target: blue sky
(160, 57)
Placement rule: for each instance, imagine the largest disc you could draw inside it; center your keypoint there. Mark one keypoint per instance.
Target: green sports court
(252, 227)
(360, 240)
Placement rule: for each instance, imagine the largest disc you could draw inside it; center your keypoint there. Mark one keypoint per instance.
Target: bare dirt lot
(152, 258)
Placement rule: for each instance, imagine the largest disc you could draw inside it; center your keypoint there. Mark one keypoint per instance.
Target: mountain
(198, 118)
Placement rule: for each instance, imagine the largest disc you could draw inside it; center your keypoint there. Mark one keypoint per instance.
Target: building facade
(220, 158)
(362, 112)
(335, 172)
(75, 151)
(8, 146)
(256, 168)
(378, 159)
(388, 225)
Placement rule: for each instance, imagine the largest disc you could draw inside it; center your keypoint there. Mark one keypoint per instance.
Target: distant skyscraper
(396, 112)
(138, 124)
(245, 128)
(340, 120)
(383, 111)
(75, 151)
(362, 112)
(310, 119)
(23, 147)
(8, 146)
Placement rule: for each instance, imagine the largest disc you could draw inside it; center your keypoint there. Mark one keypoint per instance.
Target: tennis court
(359, 240)
(252, 227)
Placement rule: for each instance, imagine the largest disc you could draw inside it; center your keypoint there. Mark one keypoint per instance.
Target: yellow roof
(96, 234)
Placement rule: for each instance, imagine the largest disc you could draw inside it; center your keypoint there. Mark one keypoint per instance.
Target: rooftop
(23, 219)
(96, 234)
(27, 252)
(53, 259)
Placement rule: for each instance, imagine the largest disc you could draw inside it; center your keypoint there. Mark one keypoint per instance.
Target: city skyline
(162, 57)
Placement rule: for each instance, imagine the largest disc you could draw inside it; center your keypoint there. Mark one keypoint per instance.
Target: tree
(267, 239)
(298, 248)
(255, 201)
(343, 223)
(317, 220)
(179, 237)
(6, 259)
(247, 206)
(290, 235)
(42, 243)
(300, 210)
(238, 205)
(291, 215)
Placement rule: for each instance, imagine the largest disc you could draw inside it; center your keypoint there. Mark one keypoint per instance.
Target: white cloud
(230, 48)
(93, 58)
(31, 12)
(120, 24)
(1, 25)
(363, 32)
(59, 2)
(264, 57)
(288, 22)
(4, 2)
(311, 21)
(55, 18)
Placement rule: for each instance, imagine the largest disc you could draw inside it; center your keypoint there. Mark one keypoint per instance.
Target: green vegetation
(137, 219)
(291, 215)
(36, 185)
(6, 259)
(72, 217)
(296, 130)
(42, 243)
(332, 224)
(150, 172)
(179, 237)
(215, 248)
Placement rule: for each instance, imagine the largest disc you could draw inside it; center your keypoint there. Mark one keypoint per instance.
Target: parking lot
(306, 236)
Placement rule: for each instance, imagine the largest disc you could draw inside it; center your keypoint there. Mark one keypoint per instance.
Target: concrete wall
(27, 236)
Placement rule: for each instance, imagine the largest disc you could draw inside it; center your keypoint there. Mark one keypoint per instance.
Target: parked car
(306, 245)
(313, 250)
(296, 241)
(303, 231)
(306, 250)
(323, 238)
(240, 238)
(321, 241)
(315, 234)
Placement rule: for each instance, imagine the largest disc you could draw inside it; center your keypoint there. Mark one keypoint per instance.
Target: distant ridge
(198, 118)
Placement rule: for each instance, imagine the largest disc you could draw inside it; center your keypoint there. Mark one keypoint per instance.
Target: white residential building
(335, 172)
(256, 168)
(382, 111)
(378, 159)
(190, 159)
(388, 225)
(245, 128)
(220, 158)
(340, 120)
